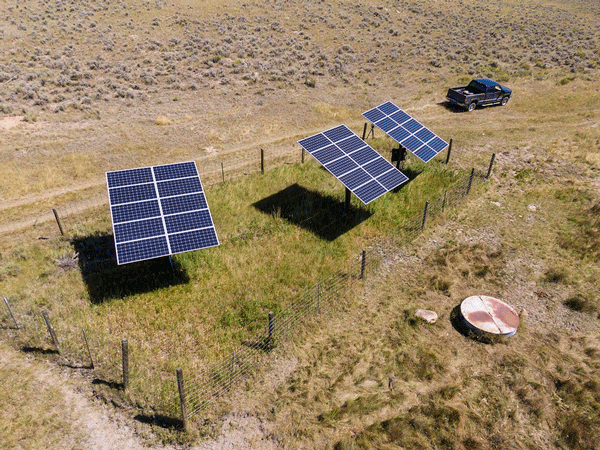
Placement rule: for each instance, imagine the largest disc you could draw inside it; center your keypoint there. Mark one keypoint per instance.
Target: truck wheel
(504, 101)
(472, 106)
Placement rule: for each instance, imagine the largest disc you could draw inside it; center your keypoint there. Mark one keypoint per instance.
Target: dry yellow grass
(216, 82)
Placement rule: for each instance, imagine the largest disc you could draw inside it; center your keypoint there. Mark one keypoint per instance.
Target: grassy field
(87, 87)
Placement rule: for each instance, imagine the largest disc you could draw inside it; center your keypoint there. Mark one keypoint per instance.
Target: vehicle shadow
(452, 107)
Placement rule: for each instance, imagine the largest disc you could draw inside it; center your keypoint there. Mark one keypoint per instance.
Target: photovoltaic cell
(360, 168)
(179, 187)
(140, 229)
(405, 130)
(188, 221)
(364, 155)
(193, 240)
(129, 177)
(135, 211)
(172, 171)
(150, 248)
(183, 203)
(351, 144)
(159, 211)
(341, 166)
(328, 154)
(338, 133)
(129, 194)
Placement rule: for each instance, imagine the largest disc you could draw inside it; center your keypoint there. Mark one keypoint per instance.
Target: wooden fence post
(58, 221)
(262, 161)
(271, 327)
(11, 314)
(363, 263)
(424, 216)
(489, 172)
(181, 388)
(125, 352)
(470, 180)
(51, 331)
(444, 202)
(223, 172)
(87, 345)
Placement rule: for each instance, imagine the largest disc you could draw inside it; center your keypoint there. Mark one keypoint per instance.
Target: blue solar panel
(172, 171)
(351, 144)
(400, 117)
(135, 211)
(412, 143)
(388, 108)
(374, 115)
(412, 126)
(392, 178)
(179, 187)
(140, 229)
(377, 167)
(338, 133)
(341, 166)
(356, 178)
(183, 203)
(425, 153)
(129, 177)
(164, 216)
(140, 250)
(130, 194)
(188, 221)
(399, 134)
(405, 130)
(370, 191)
(192, 240)
(387, 124)
(315, 142)
(425, 134)
(353, 161)
(328, 154)
(364, 155)
(437, 144)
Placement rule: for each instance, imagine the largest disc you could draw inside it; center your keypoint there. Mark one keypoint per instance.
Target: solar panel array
(405, 130)
(159, 211)
(360, 168)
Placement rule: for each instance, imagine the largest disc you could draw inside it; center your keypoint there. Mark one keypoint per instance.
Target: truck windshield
(476, 86)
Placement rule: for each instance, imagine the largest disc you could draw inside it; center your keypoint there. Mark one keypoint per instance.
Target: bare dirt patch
(7, 123)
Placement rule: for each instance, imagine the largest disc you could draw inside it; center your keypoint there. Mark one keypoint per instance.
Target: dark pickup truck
(479, 92)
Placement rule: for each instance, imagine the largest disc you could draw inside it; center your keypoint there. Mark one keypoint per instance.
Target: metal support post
(489, 172)
(449, 150)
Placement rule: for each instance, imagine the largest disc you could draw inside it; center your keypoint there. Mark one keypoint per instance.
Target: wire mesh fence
(206, 386)
(209, 383)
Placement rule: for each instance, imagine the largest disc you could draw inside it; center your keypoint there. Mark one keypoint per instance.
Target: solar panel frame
(159, 211)
(352, 161)
(406, 131)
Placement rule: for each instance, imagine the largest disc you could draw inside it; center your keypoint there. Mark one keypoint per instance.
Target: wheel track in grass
(235, 166)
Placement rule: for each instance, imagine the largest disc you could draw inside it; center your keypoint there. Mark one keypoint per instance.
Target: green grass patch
(280, 233)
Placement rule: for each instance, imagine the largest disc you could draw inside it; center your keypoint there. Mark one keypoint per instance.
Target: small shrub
(310, 82)
(556, 275)
(580, 304)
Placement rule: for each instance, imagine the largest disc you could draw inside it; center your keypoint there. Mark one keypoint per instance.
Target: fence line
(210, 383)
(206, 386)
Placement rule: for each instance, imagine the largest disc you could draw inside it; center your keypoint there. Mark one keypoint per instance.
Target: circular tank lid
(490, 315)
